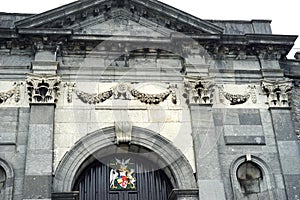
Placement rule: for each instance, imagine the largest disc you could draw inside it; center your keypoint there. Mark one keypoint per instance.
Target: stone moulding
(199, 90)
(236, 99)
(277, 92)
(4, 96)
(43, 89)
(125, 92)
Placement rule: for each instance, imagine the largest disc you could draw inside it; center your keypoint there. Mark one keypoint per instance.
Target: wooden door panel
(151, 184)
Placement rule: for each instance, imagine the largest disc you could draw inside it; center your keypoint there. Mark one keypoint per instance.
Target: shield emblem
(122, 175)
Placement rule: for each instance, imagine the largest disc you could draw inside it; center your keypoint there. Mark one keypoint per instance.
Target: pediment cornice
(84, 12)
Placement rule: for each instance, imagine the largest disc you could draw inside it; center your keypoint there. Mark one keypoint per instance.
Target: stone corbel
(42, 88)
(199, 90)
(4, 96)
(277, 92)
(123, 132)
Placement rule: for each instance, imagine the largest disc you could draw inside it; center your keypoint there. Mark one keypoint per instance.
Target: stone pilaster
(288, 150)
(43, 90)
(206, 150)
(200, 98)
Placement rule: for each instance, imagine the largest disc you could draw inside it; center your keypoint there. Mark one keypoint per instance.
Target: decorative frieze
(278, 92)
(126, 92)
(43, 89)
(235, 98)
(15, 91)
(199, 90)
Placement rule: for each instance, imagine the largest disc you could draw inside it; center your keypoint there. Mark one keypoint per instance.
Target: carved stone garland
(70, 88)
(199, 90)
(94, 98)
(8, 94)
(277, 92)
(238, 98)
(124, 91)
(155, 98)
(43, 88)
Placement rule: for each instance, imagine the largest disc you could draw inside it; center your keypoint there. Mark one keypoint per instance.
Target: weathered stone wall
(13, 144)
(295, 104)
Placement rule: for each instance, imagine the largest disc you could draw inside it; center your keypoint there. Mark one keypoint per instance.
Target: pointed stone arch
(93, 142)
(8, 183)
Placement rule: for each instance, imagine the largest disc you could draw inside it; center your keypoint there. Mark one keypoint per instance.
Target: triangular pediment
(94, 16)
(120, 23)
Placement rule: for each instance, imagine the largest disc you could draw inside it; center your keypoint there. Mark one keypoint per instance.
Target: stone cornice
(44, 31)
(168, 16)
(238, 47)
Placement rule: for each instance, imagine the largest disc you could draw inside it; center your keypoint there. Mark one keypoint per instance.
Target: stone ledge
(184, 193)
(65, 195)
(245, 140)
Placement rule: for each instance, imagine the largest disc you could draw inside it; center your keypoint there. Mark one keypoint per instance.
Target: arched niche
(181, 173)
(6, 180)
(251, 178)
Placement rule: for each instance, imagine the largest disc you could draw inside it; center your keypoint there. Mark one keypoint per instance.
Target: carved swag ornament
(199, 90)
(4, 96)
(43, 88)
(124, 91)
(236, 99)
(278, 92)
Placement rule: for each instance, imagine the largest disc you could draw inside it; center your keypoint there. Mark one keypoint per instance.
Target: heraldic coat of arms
(122, 175)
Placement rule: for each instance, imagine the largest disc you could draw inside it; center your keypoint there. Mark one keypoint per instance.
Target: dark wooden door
(150, 182)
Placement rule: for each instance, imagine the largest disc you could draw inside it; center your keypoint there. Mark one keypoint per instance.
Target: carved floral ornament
(43, 88)
(278, 92)
(236, 98)
(15, 91)
(199, 90)
(126, 92)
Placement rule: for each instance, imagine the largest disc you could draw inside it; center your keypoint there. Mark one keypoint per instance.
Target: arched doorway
(101, 143)
(125, 173)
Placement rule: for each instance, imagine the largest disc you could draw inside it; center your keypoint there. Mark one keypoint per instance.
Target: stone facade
(216, 102)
